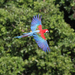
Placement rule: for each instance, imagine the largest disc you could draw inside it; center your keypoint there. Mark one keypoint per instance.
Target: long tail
(27, 34)
(24, 35)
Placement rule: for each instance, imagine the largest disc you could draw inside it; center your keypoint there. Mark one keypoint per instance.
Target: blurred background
(23, 56)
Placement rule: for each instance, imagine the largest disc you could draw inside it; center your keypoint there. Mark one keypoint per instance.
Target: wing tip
(40, 16)
(48, 50)
(37, 16)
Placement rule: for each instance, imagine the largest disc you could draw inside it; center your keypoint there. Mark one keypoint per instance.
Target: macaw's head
(46, 30)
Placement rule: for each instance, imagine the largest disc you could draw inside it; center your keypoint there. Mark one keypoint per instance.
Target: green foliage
(48, 64)
(22, 56)
(11, 65)
(68, 5)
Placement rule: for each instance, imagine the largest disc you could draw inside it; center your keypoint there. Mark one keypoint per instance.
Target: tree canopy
(23, 56)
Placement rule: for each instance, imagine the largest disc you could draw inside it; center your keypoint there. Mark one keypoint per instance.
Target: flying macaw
(38, 33)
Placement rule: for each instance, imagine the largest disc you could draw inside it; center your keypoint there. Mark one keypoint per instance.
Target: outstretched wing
(36, 21)
(42, 43)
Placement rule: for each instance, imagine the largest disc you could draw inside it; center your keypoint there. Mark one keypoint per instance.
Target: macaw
(38, 33)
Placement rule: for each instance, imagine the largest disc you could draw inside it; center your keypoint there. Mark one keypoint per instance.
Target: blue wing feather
(36, 21)
(41, 43)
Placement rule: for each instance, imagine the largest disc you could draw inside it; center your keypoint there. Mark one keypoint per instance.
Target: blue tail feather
(27, 34)
(24, 35)
(18, 37)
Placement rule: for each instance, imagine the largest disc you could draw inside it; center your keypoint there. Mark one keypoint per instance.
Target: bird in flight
(38, 33)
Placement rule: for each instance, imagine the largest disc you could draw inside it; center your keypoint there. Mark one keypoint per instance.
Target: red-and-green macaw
(38, 33)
